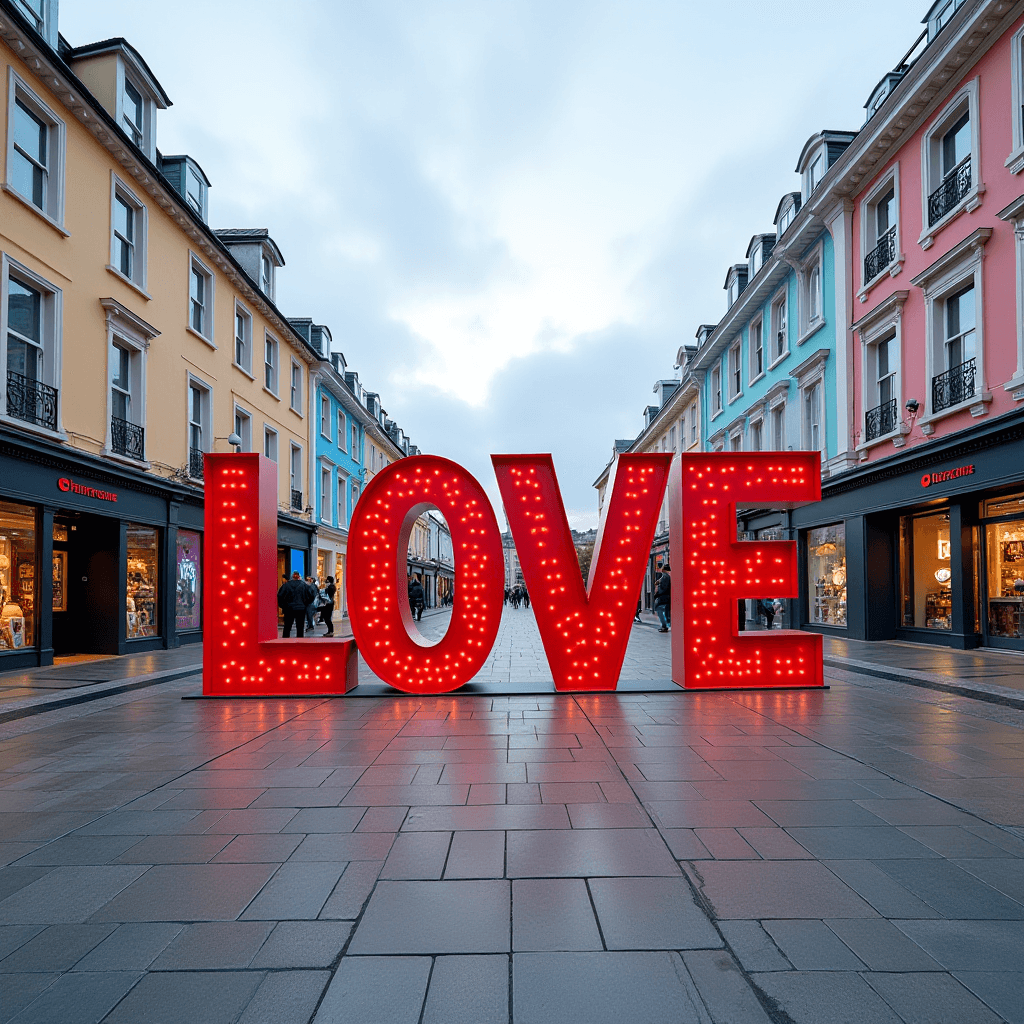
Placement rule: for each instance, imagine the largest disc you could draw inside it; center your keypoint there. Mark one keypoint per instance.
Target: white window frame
(52, 210)
(342, 430)
(128, 331)
(341, 504)
(188, 172)
(119, 189)
(1014, 213)
(931, 174)
(1015, 161)
(294, 460)
(267, 285)
(355, 443)
(206, 334)
(734, 363)
(777, 412)
(52, 337)
(811, 321)
(756, 323)
(780, 301)
(206, 416)
(42, 24)
(270, 443)
(247, 324)
(326, 416)
(148, 132)
(879, 324)
(949, 274)
(868, 233)
(716, 389)
(694, 437)
(326, 507)
(810, 182)
(275, 347)
(808, 375)
(755, 426)
(243, 414)
(295, 389)
(786, 217)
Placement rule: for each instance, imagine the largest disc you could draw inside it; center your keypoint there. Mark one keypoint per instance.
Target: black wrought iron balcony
(954, 386)
(297, 500)
(880, 421)
(127, 438)
(951, 192)
(881, 256)
(31, 400)
(195, 464)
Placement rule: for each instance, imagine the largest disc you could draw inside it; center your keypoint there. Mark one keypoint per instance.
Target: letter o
(377, 583)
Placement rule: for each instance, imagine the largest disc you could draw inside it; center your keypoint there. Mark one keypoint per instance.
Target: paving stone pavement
(850, 855)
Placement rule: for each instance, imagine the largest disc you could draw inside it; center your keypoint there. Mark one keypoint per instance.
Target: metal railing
(954, 187)
(297, 500)
(31, 400)
(127, 438)
(195, 464)
(954, 386)
(881, 420)
(881, 256)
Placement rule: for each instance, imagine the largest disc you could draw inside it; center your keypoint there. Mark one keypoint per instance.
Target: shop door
(1003, 615)
(90, 620)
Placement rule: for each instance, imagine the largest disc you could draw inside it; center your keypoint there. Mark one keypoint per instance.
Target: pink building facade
(923, 531)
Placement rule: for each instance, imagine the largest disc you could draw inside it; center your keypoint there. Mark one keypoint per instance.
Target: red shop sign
(930, 479)
(68, 485)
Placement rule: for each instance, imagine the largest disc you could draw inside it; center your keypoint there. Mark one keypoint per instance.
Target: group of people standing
(517, 595)
(301, 599)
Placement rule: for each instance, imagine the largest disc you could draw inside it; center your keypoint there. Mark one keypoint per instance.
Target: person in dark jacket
(311, 603)
(768, 610)
(327, 611)
(417, 599)
(292, 599)
(663, 598)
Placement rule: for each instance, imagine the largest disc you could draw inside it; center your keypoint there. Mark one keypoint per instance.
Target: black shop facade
(97, 558)
(927, 547)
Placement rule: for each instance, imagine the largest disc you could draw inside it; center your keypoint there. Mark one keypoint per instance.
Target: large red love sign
(584, 630)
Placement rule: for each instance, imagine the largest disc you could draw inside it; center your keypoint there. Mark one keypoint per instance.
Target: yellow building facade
(135, 339)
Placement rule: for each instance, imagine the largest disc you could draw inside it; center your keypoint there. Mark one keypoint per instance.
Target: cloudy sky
(509, 214)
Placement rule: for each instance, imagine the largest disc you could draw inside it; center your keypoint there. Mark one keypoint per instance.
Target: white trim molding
(884, 320)
(1015, 161)
(1014, 213)
(866, 213)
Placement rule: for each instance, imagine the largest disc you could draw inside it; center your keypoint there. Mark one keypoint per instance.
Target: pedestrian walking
(526, 598)
(327, 605)
(768, 610)
(663, 598)
(311, 604)
(416, 598)
(636, 614)
(292, 599)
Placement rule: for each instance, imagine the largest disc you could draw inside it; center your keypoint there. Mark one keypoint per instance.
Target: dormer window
(787, 218)
(194, 188)
(940, 15)
(132, 113)
(33, 11)
(815, 172)
(267, 276)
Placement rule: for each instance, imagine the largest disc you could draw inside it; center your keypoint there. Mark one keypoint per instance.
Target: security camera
(912, 406)
(234, 439)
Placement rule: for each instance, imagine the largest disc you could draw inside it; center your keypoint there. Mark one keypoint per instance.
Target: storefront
(928, 547)
(94, 559)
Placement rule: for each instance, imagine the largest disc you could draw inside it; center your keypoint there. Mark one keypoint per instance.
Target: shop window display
(826, 574)
(1005, 560)
(187, 599)
(143, 558)
(17, 576)
(925, 572)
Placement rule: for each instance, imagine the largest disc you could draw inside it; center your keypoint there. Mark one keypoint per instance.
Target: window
(19, 557)
(243, 339)
(814, 294)
(194, 191)
(270, 443)
(121, 383)
(809, 278)
(295, 395)
(355, 443)
(127, 412)
(200, 434)
(35, 151)
(814, 432)
(693, 424)
(826, 575)
(756, 440)
(735, 372)
(736, 441)
(200, 299)
(941, 15)
(34, 11)
(951, 162)
(960, 323)
(325, 416)
(143, 550)
(879, 230)
(787, 218)
(341, 430)
(355, 494)
(716, 390)
(295, 477)
(342, 494)
(267, 276)
(31, 341)
(779, 428)
(325, 494)
(816, 171)
(780, 329)
(132, 111)
(243, 428)
(270, 359)
(756, 348)
(883, 418)
(1015, 161)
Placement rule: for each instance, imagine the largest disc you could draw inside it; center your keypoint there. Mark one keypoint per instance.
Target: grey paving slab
(930, 999)
(285, 996)
(67, 895)
(323, 819)
(651, 913)
(432, 917)
(131, 947)
(582, 853)
(13, 936)
(553, 914)
(468, 990)
(969, 945)
(69, 850)
(78, 998)
(1003, 874)
(346, 847)
(352, 891)
(811, 946)
(601, 988)
(221, 945)
(857, 842)
(486, 816)
(753, 946)
(174, 850)
(376, 990)
(607, 815)
(303, 944)
(187, 997)
(418, 855)
(298, 891)
(57, 948)
(818, 996)
(724, 990)
(1003, 991)
(882, 946)
(261, 849)
(953, 892)
(881, 891)
(707, 813)
(476, 855)
(776, 889)
(186, 892)
(20, 990)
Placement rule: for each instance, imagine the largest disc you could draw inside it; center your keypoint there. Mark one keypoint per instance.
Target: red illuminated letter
(584, 632)
(716, 571)
(378, 542)
(242, 655)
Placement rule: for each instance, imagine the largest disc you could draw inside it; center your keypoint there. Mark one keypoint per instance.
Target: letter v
(584, 632)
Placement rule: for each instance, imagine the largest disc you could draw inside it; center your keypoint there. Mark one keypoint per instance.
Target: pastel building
(925, 531)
